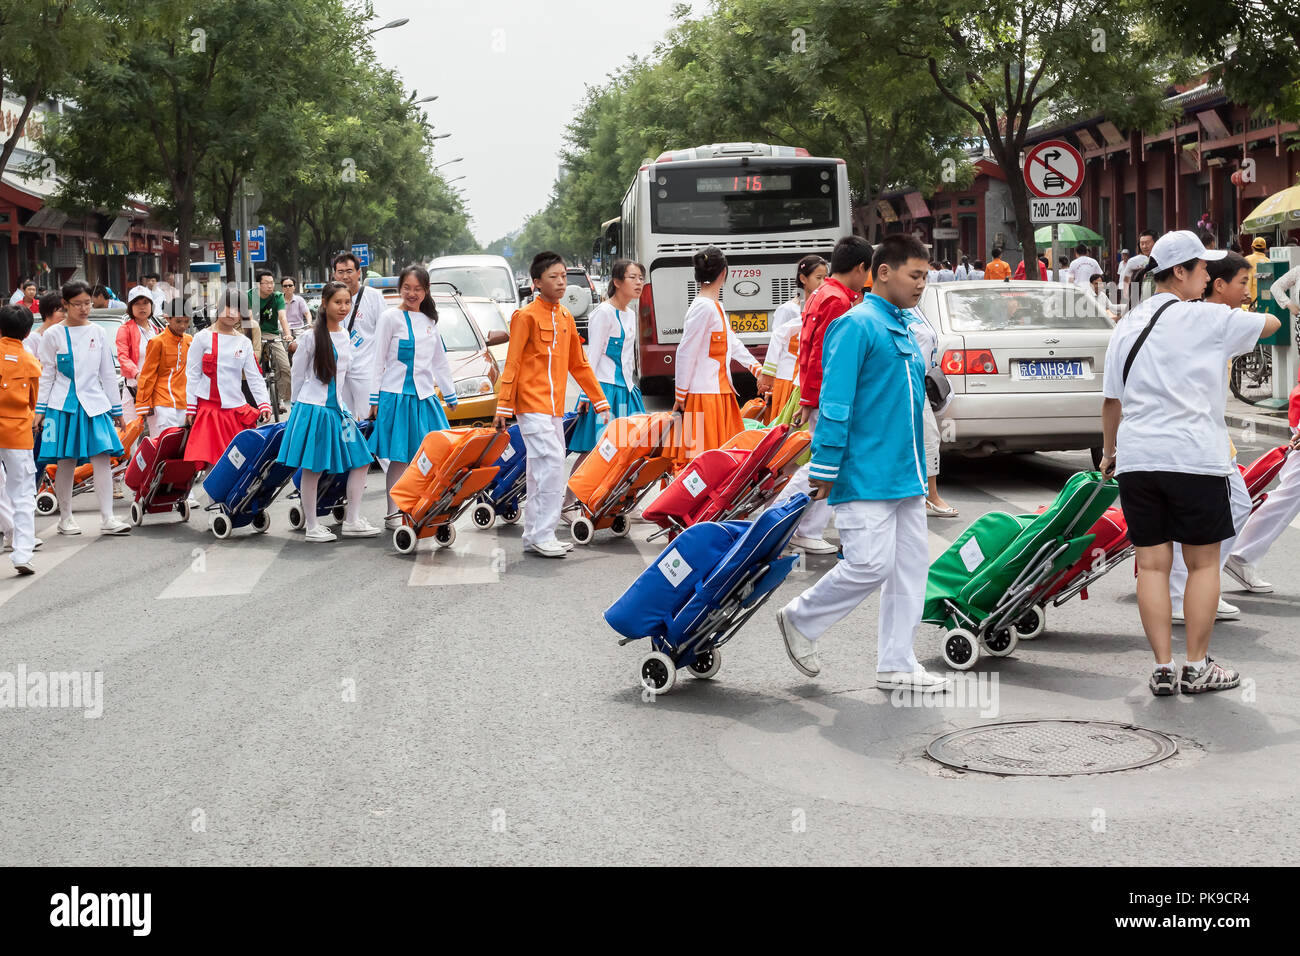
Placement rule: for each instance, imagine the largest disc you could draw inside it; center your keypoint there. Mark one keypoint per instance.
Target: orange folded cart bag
(755, 408)
(726, 483)
(630, 456)
(450, 469)
(83, 476)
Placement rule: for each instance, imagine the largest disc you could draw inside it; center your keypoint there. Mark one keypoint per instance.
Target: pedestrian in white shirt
(1280, 288)
(1133, 266)
(1164, 438)
(1082, 267)
(363, 318)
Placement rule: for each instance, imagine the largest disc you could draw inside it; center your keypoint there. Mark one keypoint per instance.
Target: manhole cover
(1051, 747)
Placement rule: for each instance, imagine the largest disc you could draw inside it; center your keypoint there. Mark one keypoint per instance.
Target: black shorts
(1162, 506)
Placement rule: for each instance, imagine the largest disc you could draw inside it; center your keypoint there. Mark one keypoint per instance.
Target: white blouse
(235, 364)
(431, 363)
(309, 389)
(780, 362)
(92, 370)
(603, 324)
(696, 372)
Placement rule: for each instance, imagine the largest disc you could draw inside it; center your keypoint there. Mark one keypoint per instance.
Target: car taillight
(647, 316)
(968, 362)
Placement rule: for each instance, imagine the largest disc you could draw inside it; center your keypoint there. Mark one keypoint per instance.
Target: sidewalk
(1266, 421)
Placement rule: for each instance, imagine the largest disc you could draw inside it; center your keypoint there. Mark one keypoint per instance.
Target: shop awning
(916, 205)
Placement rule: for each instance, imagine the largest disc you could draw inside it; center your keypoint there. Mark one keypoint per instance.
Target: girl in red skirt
(220, 360)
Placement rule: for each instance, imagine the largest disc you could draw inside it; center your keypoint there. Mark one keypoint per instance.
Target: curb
(1276, 427)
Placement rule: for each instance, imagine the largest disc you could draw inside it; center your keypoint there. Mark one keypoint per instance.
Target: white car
(1025, 360)
(488, 277)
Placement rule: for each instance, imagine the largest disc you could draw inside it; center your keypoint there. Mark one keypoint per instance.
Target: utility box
(1266, 273)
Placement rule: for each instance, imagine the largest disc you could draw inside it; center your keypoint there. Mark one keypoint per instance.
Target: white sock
(1195, 665)
(1169, 666)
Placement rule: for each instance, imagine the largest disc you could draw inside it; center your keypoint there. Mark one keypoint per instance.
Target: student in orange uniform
(705, 395)
(997, 267)
(160, 390)
(20, 377)
(544, 351)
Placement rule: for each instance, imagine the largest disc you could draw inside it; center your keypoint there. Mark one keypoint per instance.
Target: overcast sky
(508, 75)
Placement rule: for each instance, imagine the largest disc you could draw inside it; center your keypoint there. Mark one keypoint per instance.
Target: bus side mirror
(497, 337)
(525, 292)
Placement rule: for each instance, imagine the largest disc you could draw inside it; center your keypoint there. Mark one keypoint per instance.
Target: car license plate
(1052, 370)
(748, 321)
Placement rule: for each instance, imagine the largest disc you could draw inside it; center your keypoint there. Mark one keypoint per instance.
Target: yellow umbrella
(1278, 210)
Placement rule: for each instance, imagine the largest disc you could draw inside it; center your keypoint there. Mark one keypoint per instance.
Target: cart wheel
(338, 513)
(184, 509)
(581, 530)
(1001, 642)
(445, 536)
(137, 518)
(509, 514)
(706, 664)
(404, 540)
(296, 518)
(484, 516)
(261, 522)
(221, 526)
(960, 650)
(1032, 624)
(46, 503)
(620, 526)
(658, 673)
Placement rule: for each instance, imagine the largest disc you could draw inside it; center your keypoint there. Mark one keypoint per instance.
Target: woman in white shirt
(77, 405)
(611, 352)
(1165, 439)
(706, 398)
(781, 363)
(411, 365)
(220, 360)
(322, 434)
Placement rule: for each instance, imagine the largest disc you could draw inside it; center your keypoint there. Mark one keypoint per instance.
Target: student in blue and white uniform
(322, 434)
(410, 360)
(78, 405)
(868, 457)
(611, 352)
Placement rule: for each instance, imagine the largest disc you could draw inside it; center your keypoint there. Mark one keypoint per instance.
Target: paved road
(266, 700)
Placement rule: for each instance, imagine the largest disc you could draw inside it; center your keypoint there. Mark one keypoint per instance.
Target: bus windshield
(731, 198)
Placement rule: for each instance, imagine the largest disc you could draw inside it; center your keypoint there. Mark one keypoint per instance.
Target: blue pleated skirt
(318, 438)
(402, 423)
(622, 402)
(78, 435)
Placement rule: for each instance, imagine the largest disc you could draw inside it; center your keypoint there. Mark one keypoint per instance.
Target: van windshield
(483, 281)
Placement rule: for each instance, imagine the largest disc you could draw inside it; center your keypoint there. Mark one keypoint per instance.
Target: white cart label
(693, 483)
(674, 567)
(423, 463)
(139, 460)
(508, 453)
(971, 555)
(237, 457)
(608, 450)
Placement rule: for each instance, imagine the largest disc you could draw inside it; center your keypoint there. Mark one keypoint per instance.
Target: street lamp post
(391, 25)
(458, 159)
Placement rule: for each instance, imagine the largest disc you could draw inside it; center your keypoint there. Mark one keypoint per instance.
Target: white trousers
(886, 547)
(20, 492)
(1278, 510)
(818, 513)
(543, 437)
(164, 418)
(932, 441)
(1239, 498)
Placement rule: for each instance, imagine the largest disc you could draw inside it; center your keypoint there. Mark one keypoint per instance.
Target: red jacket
(1042, 271)
(831, 300)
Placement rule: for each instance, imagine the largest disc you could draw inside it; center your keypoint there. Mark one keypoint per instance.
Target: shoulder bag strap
(1137, 346)
(356, 306)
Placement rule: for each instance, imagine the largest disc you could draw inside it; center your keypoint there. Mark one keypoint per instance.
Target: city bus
(764, 206)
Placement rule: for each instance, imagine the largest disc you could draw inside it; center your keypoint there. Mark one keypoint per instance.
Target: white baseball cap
(138, 292)
(1175, 248)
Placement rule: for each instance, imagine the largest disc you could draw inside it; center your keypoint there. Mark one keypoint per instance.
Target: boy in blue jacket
(869, 459)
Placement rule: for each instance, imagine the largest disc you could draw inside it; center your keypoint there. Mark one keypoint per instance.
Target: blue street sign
(508, 251)
(362, 251)
(257, 238)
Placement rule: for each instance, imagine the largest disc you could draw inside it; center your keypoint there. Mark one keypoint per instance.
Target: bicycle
(272, 379)
(1251, 377)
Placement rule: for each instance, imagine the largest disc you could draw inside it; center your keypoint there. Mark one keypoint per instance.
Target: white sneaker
(193, 503)
(24, 568)
(548, 549)
(115, 525)
(319, 533)
(69, 526)
(813, 545)
(8, 544)
(1225, 612)
(1246, 576)
(36, 544)
(801, 651)
(919, 679)
(361, 528)
(392, 524)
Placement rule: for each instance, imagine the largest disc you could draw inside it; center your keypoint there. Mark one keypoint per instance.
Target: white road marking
(476, 557)
(225, 568)
(938, 545)
(56, 549)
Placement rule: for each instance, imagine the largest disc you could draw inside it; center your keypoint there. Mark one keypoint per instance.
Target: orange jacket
(544, 351)
(20, 378)
(162, 373)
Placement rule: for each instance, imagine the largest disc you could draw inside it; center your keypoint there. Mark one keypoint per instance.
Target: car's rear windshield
(488, 317)
(1051, 307)
(455, 328)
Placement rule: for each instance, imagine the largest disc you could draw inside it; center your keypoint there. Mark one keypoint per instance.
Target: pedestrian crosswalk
(223, 569)
(56, 550)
